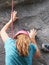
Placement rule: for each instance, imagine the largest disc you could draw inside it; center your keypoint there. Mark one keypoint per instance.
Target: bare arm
(37, 54)
(33, 33)
(3, 32)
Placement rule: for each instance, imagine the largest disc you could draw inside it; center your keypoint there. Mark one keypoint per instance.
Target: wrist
(10, 21)
(32, 37)
(33, 40)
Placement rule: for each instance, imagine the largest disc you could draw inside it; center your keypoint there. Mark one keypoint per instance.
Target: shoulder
(33, 47)
(9, 40)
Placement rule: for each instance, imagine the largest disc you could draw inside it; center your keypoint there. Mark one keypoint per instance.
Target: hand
(13, 16)
(33, 33)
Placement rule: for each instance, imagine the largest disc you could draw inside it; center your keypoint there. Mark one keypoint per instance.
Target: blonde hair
(22, 43)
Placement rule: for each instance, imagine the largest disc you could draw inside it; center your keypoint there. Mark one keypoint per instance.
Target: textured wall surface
(6, 3)
(30, 16)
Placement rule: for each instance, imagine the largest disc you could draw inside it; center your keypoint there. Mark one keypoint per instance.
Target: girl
(21, 49)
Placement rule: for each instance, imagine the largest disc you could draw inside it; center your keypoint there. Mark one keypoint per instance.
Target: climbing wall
(30, 16)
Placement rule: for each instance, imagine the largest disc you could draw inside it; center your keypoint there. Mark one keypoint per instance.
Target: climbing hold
(45, 47)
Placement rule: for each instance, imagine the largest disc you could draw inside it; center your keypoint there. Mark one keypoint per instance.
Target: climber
(21, 49)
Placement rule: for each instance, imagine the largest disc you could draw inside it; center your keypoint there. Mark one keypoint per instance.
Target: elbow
(37, 55)
(2, 30)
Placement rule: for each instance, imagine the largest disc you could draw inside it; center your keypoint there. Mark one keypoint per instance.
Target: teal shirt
(12, 56)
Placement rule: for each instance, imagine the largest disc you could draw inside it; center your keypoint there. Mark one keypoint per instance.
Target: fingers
(14, 15)
(33, 33)
(34, 30)
(15, 12)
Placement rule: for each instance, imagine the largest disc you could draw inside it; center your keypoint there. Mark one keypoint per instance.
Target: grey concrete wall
(6, 3)
(30, 16)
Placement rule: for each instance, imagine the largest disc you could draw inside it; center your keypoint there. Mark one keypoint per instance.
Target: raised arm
(33, 33)
(3, 32)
